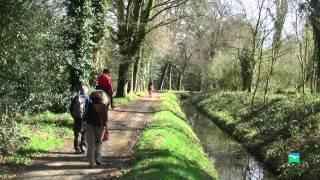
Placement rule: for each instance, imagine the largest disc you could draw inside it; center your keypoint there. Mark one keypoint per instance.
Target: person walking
(97, 118)
(150, 88)
(104, 83)
(78, 109)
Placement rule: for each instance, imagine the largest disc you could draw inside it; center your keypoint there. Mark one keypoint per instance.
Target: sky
(250, 7)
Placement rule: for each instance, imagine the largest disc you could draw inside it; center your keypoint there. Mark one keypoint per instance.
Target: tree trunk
(163, 74)
(170, 77)
(281, 12)
(258, 76)
(269, 77)
(303, 78)
(143, 80)
(96, 57)
(135, 73)
(313, 76)
(179, 81)
(316, 33)
(311, 82)
(106, 59)
(131, 80)
(247, 67)
(201, 82)
(123, 79)
(315, 15)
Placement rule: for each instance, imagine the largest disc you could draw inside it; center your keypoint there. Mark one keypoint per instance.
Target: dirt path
(125, 125)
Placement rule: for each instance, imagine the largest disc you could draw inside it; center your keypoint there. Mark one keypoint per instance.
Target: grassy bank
(124, 100)
(33, 134)
(168, 148)
(130, 97)
(271, 130)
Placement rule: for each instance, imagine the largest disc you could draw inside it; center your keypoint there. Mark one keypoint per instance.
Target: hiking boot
(99, 163)
(78, 152)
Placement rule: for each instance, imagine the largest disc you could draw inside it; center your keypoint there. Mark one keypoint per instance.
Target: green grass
(42, 132)
(44, 138)
(124, 100)
(285, 123)
(168, 148)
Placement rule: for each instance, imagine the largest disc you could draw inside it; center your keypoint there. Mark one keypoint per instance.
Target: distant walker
(150, 88)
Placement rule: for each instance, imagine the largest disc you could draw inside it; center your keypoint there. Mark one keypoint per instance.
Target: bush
(10, 136)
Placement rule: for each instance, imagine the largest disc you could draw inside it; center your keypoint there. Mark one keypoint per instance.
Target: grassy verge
(130, 97)
(271, 130)
(124, 100)
(39, 133)
(168, 148)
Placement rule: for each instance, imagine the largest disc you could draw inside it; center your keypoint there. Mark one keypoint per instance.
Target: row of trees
(127, 22)
(275, 48)
(50, 47)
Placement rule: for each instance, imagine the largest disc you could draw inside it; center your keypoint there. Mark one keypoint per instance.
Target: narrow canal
(229, 157)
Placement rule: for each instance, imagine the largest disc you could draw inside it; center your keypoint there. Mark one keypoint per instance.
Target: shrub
(10, 136)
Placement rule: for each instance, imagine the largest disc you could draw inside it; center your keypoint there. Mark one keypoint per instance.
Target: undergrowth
(37, 133)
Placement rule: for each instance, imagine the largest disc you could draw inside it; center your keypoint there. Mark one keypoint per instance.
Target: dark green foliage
(247, 66)
(80, 42)
(33, 65)
(99, 27)
(86, 28)
(22, 136)
(271, 130)
(10, 139)
(33, 58)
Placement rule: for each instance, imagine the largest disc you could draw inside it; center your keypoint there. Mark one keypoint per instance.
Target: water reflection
(231, 160)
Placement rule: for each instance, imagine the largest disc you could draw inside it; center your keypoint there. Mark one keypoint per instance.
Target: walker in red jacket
(105, 83)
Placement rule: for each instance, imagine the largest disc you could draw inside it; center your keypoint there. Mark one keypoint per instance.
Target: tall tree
(279, 20)
(314, 17)
(255, 45)
(133, 20)
(246, 64)
(80, 35)
(99, 27)
(87, 25)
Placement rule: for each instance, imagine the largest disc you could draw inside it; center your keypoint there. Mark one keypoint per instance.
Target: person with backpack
(78, 110)
(104, 83)
(97, 118)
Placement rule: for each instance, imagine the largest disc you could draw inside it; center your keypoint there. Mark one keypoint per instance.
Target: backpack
(78, 110)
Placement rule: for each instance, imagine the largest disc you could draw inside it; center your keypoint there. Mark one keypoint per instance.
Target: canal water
(230, 158)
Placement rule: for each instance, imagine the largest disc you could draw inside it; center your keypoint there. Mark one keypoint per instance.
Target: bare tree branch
(167, 8)
(165, 22)
(163, 4)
